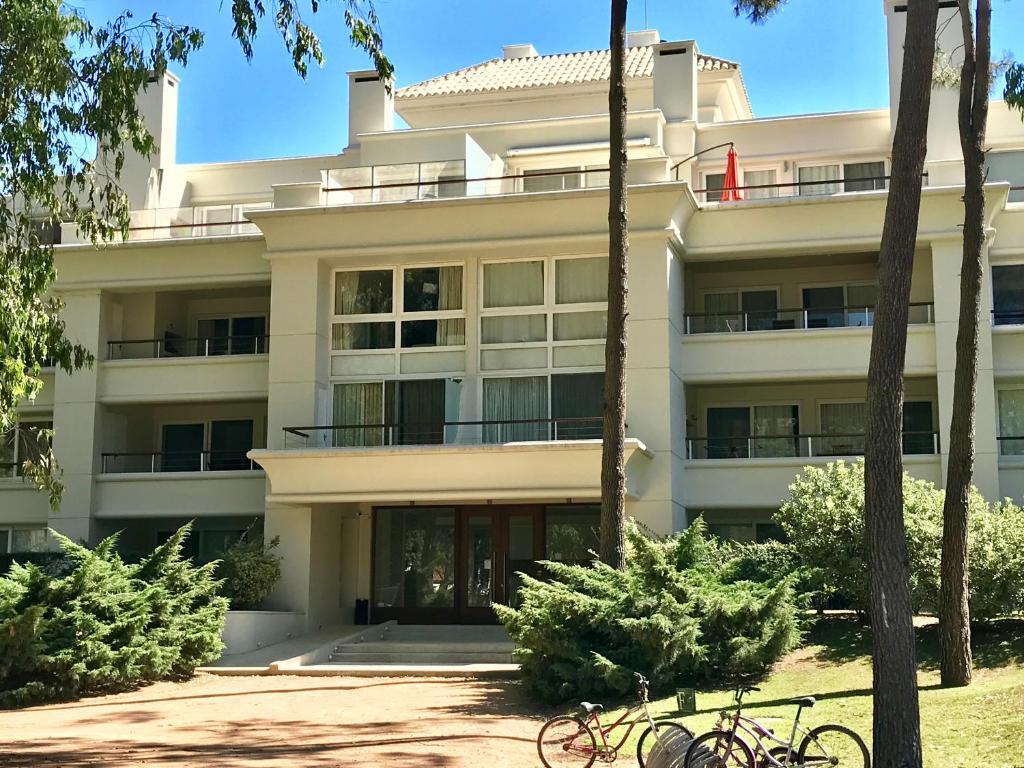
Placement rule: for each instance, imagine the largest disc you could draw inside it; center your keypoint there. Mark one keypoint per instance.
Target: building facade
(391, 358)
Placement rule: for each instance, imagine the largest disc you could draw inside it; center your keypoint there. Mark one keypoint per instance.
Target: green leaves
(1013, 92)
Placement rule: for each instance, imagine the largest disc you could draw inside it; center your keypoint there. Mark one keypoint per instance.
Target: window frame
(720, 168)
(842, 162)
(10, 528)
(158, 437)
(547, 374)
(16, 429)
(750, 405)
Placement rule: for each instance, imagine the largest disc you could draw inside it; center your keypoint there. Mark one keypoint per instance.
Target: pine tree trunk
(613, 472)
(897, 724)
(954, 609)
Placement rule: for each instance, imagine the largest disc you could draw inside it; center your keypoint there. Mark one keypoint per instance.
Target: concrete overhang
(845, 221)
(577, 216)
(563, 469)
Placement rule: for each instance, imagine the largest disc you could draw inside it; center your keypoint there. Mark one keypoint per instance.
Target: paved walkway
(271, 722)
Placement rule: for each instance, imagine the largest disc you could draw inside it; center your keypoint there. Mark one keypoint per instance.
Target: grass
(976, 725)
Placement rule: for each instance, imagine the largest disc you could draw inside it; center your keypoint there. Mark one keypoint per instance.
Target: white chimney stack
(642, 37)
(519, 51)
(675, 79)
(371, 107)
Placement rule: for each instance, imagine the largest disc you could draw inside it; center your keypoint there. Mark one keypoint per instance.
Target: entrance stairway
(410, 645)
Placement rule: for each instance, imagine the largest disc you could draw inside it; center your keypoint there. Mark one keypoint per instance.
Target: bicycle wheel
(648, 741)
(833, 745)
(566, 741)
(718, 749)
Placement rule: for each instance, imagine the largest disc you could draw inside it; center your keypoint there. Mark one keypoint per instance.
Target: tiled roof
(541, 71)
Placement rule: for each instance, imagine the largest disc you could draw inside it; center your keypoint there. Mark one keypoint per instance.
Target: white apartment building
(391, 358)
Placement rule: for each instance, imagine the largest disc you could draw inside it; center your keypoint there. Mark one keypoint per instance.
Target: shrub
(249, 570)
(106, 625)
(668, 614)
(824, 519)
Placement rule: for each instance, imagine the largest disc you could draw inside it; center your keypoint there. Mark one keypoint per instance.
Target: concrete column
(652, 375)
(77, 418)
(310, 548)
(299, 347)
(946, 258)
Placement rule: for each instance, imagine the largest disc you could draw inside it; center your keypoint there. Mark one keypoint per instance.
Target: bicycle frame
(604, 732)
(757, 731)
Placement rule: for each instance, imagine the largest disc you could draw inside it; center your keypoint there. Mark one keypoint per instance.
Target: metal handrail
(260, 345)
(809, 438)
(797, 309)
(156, 463)
(400, 184)
(853, 311)
(300, 431)
(780, 184)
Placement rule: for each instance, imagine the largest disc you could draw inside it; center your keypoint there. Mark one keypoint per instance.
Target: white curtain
(581, 280)
(513, 329)
(722, 313)
(514, 284)
(572, 326)
(846, 420)
(1011, 421)
(450, 333)
(357, 404)
(823, 173)
(756, 178)
(510, 399)
(774, 421)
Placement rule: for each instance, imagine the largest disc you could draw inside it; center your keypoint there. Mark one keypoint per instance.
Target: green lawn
(982, 724)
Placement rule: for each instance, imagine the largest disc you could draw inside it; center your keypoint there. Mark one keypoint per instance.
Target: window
(844, 425)
(809, 174)
(515, 408)
(758, 431)
(861, 177)
(1007, 166)
(14, 540)
(918, 428)
(836, 306)
(1011, 422)
(578, 398)
(572, 533)
(242, 335)
(228, 219)
(218, 446)
(431, 313)
(744, 310)
(747, 532)
(513, 284)
(414, 558)
(1008, 294)
(551, 179)
(714, 183)
(26, 441)
(408, 412)
(757, 179)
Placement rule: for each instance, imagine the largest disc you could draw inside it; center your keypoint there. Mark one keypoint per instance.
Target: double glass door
(497, 544)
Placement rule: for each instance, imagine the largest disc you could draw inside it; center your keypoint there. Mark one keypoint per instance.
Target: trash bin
(362, 612)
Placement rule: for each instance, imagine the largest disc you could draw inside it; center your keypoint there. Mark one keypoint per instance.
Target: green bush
(106, 625)
(249, 570)
(669, 614)
(823, 516)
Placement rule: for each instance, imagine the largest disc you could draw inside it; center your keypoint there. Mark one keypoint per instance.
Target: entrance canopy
(562, 469)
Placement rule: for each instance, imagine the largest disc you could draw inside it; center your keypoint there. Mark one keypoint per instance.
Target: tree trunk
(897, 724)
(954, 609)
(613, 473)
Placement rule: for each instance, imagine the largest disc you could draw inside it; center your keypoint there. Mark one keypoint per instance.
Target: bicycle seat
(803, 701)
(591, 709)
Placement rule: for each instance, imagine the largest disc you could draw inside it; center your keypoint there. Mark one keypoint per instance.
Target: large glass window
(918, 427)
(578, 398)
(758, 431)
(1007, 166)
(581, 281)
(363, 292)
(572, 533)
(516, 408)
(230, 441)
(818, 179)
(18, 540)
(414, 558)
(745, 310)
(26, 441)
(242, 335)
(1008, 294)
(183, 447)
(860, 177)
(409, 412)
(514, 284)
(1011, 422)
(825, 307)
(432, 289)
(759, 179)
(551, 179)
(843, 425)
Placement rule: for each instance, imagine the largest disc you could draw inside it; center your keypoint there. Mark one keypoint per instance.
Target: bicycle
(725, 746)
(567, 740)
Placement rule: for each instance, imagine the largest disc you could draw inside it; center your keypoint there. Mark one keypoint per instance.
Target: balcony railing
(790, 188)
(193, 221)
(172, 346)
(921, 313)
(800, 446)
(177, 461)
(445, 433)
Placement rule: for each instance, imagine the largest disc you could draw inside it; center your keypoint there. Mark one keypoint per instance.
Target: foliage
(106, 625)
(249, 570)
(668, 614)
(823, 516)
(1013, 92)
(68, 119)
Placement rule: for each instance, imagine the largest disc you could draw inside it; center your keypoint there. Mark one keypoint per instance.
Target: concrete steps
(419, 646)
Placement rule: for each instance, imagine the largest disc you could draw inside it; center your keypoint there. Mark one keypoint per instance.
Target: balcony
(445, 433)
(829, 445)
(182, 223)
(521, 459)
(176, 461)
(802, 319)
(172, 346)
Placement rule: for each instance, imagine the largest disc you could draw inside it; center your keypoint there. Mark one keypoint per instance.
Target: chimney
(943, 136)
(519, 51)
(370, 107)
(642, 37)
(675, 79)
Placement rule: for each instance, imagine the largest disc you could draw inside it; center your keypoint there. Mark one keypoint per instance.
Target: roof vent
(642, 37)
(520, 51)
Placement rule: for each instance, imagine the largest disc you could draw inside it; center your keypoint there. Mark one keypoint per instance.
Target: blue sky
(233, 110)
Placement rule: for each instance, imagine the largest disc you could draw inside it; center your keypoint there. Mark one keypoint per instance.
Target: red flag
(730, 187)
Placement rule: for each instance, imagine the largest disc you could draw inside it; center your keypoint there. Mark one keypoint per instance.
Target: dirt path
(216, 722)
